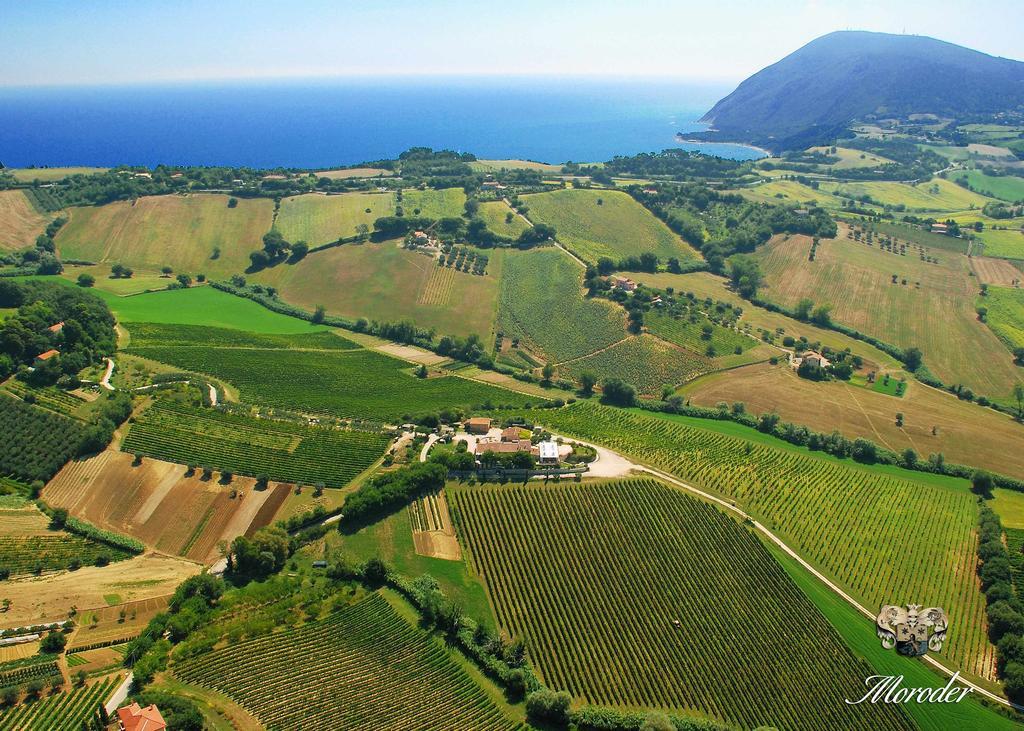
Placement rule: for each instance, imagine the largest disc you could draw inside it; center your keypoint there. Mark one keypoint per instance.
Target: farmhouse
(548, 453)
(813, 358)
(522, 445)
(55, 329)
(624, 283)
(478, 425)
(511, 434)
(940, 228)
(43, 357)
(136, 718)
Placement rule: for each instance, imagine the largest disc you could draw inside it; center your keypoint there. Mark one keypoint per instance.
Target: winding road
(105, 381)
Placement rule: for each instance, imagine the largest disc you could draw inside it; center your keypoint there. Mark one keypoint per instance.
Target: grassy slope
(494, 214)
(319, 219)
(431, 203)
(966, 433)
(1007, 188)
(179, 231)
(20, 223)
(542, 302)
(48, 175)
(386, 282)
(935, 195)
(1006, 314)
(856, 280)
(618, 227)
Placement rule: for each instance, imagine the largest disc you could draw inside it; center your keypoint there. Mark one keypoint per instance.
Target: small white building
(548, 453)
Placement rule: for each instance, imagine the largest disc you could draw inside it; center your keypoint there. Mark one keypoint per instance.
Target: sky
(80, 42)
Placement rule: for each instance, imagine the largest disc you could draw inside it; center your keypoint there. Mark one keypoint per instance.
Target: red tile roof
(135, 718)
(48, 354)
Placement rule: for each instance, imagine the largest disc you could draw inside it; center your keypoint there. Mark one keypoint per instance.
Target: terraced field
(596, 223)
(542, 303)
(855, 524)
(27, 544)
(65, 711)
(938, 316)
(319, 219)
(381, 672)
(643, 361)
(178, 231)
(648, 607)
(281, 450)
(159, 504)
(20, 222)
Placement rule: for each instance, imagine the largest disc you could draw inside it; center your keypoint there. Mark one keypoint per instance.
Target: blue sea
(319, 124)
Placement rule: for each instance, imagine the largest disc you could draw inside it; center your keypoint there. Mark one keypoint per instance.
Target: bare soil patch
(433, 534)
(1000, 272)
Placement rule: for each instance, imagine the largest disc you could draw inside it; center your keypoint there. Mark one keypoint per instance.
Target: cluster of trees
(675, 163)
(276, 249)
(386, 492)
(259, 556)
(1005, 609)
(911, 162)
(722, 224)
(86, 336)
(191, 605)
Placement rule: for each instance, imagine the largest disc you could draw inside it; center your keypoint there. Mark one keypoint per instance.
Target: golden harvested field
(353, 173)
(20, 222)
(17, 652)
(319, 219)
(157, 504)
(966, 433)
(496, 215)
(597, 223)
(849, 159)
(493, 166)
(938, 316)
(140, 281)
(104, 623)
(705, 284)
(935, 195)
(388, 283)
(177, 231)
(998, 272)
(49, 598)
(48, 175)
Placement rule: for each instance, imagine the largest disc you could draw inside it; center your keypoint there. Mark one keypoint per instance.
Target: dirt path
(426, 447)
(105, 381)
(213, 394)
(120, 695)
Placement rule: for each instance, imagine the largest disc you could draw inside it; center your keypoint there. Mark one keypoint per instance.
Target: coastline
(680, 137)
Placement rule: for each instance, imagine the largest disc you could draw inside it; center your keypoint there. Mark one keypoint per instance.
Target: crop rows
(154, 334)
(644, 362)
(633, 593)
(36, 442)
(438, 288)
(364, 667)
(541, 301)
(20, 672)
(49, 398)
(681, 331)
(884, 538)
(62, 711)
(1015, 549)
(24, 554)
(360, 383)
(280, 450)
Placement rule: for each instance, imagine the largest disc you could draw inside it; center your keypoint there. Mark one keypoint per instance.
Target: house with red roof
(134, 717)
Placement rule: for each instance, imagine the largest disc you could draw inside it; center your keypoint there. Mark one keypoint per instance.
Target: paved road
(119, 695)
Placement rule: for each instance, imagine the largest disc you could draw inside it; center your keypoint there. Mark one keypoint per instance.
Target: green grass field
(1009, 504)
(890, 385)
(1005, 187)
(496, 215)
(1006, 315)
(431, 203)
(385, 282)
(938, 316)
(48, 175)
(652, 598)
(178, 231)
(644, 361)
(147, 334)
(850, 159)
(616, 227)
(856, 524)
(280, 450)
(362, 667)
(542, 303)
(789, 191)
(494, 166)
(319, 219)
(355, 383)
